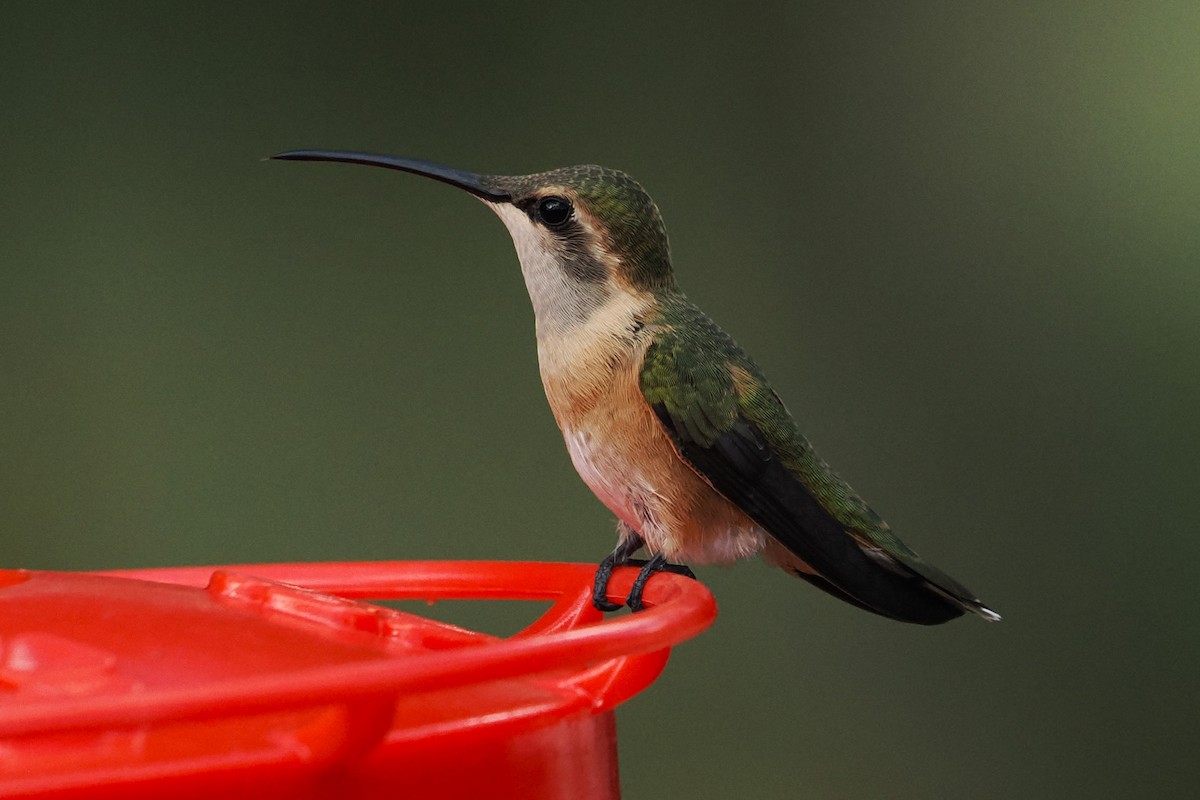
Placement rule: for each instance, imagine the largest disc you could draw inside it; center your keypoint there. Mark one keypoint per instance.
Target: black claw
(599, 595)
(619, 557)
(656, 563)
(680, 569)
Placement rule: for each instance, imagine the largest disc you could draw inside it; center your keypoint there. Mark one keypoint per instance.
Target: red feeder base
(280, 681)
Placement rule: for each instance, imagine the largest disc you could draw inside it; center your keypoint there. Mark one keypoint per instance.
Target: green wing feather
(690, 369)
(731, 427)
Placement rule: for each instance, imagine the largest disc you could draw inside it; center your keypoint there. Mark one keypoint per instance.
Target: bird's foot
(619, 557)
(656, 563)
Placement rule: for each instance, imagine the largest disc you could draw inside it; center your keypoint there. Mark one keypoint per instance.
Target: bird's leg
(656, 563)
(630, 543)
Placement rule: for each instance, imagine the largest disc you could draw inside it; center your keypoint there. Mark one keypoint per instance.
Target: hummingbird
(666, 419)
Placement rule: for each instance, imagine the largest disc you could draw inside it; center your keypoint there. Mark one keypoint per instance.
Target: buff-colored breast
(620, 449)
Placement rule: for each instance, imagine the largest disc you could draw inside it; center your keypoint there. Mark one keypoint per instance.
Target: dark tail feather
(932, 611)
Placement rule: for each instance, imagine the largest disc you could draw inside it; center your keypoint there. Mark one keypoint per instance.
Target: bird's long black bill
(475, 184)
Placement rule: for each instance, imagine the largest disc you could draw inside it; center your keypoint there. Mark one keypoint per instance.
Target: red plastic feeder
(278, 680)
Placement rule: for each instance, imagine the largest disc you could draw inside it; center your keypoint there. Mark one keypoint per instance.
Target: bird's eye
(553, 211)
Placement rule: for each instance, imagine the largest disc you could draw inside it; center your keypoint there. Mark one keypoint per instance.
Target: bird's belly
(635, 471)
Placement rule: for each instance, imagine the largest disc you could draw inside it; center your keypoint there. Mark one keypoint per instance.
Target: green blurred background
(960, 237)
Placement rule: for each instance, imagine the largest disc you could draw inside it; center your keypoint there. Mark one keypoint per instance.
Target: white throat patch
(559, 302)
